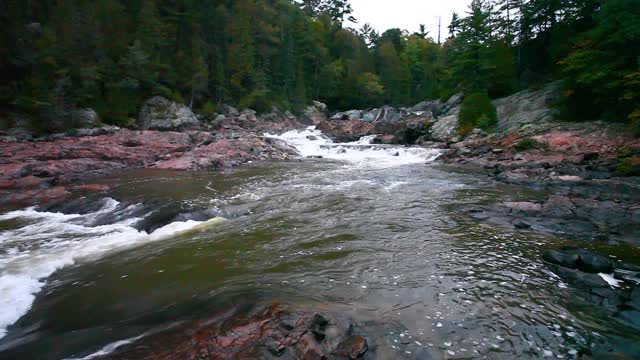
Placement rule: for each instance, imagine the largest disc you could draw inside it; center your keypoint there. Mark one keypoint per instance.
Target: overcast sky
(407, 14)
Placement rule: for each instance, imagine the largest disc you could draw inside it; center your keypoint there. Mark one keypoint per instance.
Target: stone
(527, 108)
(561, 258)
(445, 129)
(348, 115)
(354, 347)
(161, 114)
(580, 259)
(84, 118)
(230, 110)
(524, 206)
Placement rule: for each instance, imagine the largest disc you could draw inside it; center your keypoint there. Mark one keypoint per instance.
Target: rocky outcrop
(445, 129)
(599, 279)
(62, 161)
(346, 130)
(265, 332)
(529, 111)
(314, 114)
(161, 114)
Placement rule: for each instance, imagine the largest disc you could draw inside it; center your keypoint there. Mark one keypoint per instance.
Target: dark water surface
(374, 242)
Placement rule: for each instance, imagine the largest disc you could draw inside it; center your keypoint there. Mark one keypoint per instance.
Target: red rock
(29, 165)
(354, 347)
(90, 187)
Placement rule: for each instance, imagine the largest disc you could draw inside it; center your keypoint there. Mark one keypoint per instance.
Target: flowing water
(372, 231)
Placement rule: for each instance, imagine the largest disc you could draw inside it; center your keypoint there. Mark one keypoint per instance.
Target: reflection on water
(372, 242)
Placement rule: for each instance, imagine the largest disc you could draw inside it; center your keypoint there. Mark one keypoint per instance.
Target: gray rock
(103, 130)
(528, 112)
(314, 114)
(452, 106)
(348, 115)
(429, 106)
(445, 128)
(579, 259)
(320, 106)
(159, 113)
(84, 118)
(230, 110)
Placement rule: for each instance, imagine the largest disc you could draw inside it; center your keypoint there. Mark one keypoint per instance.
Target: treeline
(111, 55)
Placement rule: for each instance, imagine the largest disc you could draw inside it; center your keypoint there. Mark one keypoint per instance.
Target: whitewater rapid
(51, 241)
(45, 242)
(311, 142)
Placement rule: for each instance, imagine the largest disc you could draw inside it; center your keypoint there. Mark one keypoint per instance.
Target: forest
(111, 55)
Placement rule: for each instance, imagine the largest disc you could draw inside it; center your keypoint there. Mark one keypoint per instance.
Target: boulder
(314, 114)
(452, 106)
(579, 259)
(445, 129)
(390, 114)
(84, 118)
(161, 114)
(348, 115)
(230, 110)
(529, 111)
(429, 106)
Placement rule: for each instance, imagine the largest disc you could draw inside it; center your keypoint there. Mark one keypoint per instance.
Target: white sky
(407, 14)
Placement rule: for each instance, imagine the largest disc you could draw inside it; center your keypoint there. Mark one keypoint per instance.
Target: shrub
(257, 100)
(208, 108)
(477, 111)
(634, 125)
(529, 144)
(628, 166)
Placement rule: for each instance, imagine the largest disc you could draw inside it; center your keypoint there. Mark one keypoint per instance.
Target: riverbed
(372, 231)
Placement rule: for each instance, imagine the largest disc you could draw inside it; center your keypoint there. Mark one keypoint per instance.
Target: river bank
(433, 249)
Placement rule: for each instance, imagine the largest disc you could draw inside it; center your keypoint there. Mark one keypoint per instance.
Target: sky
(407, 14)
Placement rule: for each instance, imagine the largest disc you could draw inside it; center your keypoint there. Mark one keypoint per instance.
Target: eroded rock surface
(268, 332)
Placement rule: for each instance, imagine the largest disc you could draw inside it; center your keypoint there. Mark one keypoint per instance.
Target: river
(369, 230)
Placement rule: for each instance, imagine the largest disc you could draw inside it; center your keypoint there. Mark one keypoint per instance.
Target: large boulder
(452, 106)
(432, 107)
(445, 129)
(314, 114)
(528, 111)
(390, 114)
(348, 115)
(159, 113)
(346, 130)
(84, 118)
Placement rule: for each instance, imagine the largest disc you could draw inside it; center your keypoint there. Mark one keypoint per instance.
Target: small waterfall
(311, 142)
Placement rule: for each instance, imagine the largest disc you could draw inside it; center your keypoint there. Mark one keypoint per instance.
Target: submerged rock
(266, 332)
(580, 259)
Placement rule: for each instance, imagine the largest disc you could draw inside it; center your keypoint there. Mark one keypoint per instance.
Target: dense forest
(111, 55)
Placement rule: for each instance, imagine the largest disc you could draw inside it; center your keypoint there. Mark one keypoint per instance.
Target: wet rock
(579, 259)
(159, 113)
(262, 333)
(354, 347)
(346, 130)
(581, 279)
(561, 258)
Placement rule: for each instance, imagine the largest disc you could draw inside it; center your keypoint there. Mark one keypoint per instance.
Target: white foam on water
(610, 279)
(109, 348)
(310, 142)
(52, 241)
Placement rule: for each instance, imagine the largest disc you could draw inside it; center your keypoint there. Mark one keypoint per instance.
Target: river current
(373, 231)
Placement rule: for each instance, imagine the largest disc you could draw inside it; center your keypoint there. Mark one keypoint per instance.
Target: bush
(628, 166)
(208, 108)
(477, 111)
(529, 144)
(634, 125)
(257, 100)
